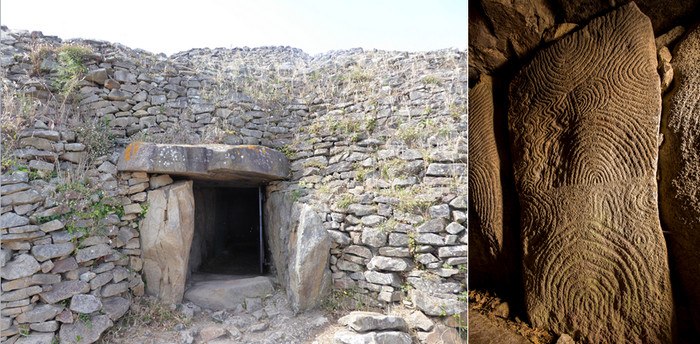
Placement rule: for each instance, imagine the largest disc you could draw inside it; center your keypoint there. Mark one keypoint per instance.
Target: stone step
(221, 292)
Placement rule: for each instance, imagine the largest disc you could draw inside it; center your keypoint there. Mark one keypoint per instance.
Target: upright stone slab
(584, 123)
(679, 164)
(309, 276)
(166, 237)
(493, 244)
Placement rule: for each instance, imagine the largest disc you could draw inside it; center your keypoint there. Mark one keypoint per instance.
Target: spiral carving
(679, 164)
(584, 121)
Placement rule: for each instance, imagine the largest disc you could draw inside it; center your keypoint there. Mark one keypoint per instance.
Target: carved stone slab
(584, 123)
(493, 245)
(679, 164)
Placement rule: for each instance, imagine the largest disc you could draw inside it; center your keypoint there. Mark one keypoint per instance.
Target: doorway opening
(228, 234)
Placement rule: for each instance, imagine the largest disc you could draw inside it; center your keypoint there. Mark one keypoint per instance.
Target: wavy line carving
(492, 245)
(584, 121)
(679, 164)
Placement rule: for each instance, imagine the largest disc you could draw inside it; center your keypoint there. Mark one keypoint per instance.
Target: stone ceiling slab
(242, 165)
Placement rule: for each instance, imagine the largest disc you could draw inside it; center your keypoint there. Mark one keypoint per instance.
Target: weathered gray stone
(430, 239)
(64, 290)
(166, 237)
(114, 289)
(14, 178)
(20, 294)
(589, 186)
(250, 164)
(36, 338)
(454, 228)
(227, 294)
(437, 304)
(309, 276)
(97, 75)
(5, 256)
(159, 181)
(115, 307)
(432, 226)
(386, 337)
(388, 264)
(446, 170)
(47, 326)
(44, 252)
(23, 265)
(64, 265)
(51, 226)
(9, 220)
(39, 314)
(88, 331)
(92, 252)
(371, 321)
(374, 237)
(12, 188)
(418, 320)
(85, 303)
(382, 278)
(448, 335)
(452, 251)
(439, 211)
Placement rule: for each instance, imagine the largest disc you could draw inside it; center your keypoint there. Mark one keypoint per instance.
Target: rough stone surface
(85, 303)
(115, 307)
(36, 338)
(248, 165)
(166, 237)
(39, 314)
(309, 276)
(587, 185)
(663, 13)
(45, 252)
(437, 304)
(23, 265)
(228, 293)
(447, 335)
(9, 220)
(504, 30)
(89, 331)
(679, 163)
(63, 291)
(371, 321)
(483, 331)
(388, 337)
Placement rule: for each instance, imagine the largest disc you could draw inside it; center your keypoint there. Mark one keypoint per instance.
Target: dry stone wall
(376, 141)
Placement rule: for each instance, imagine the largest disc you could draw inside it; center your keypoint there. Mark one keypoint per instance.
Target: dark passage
(227, 231)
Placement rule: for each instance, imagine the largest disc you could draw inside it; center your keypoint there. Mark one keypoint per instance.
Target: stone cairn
(376, 141)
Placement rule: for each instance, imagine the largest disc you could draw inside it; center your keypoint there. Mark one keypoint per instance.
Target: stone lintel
(243, 165)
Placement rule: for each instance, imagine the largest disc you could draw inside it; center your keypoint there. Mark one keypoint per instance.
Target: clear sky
(315, 26)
